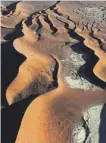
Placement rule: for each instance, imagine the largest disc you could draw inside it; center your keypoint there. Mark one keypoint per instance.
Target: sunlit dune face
(41, 47)
(53, 116)
(100, 70)
(27, 41)
(48, 40)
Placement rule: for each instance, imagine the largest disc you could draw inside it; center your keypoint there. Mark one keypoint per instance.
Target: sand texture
(56, 54)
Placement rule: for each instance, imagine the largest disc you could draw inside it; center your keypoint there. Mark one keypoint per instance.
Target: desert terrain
(53, 71)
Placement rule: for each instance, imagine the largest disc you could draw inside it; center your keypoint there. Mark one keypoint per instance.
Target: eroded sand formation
(21, 11)
(57, 113)
(47, 37)
(33, 48)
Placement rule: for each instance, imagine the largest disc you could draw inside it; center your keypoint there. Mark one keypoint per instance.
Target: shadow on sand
(11, 119)
(10, 62)
(12, 115)
(86, 70)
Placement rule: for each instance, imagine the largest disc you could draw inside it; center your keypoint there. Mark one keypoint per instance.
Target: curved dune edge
(53, 116)
(22, 10)
(13, 18)
(100, 68)
(39, 63)
(82, 30)
(32, 44)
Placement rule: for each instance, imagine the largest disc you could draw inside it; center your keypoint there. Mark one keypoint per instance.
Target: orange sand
(38, 48)
(100, 68)
(23, 10)
(33, 49)
(51, 117)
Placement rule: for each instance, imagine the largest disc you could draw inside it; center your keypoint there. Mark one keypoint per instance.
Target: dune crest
(50, 36)
(52, 117)
(21, 11)
(48, 30)
(30, 46)
(100, 68)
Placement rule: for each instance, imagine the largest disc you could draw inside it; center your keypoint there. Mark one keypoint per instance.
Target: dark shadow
(54, 29)
(86, 70)
(10, 62)
(13, 35)
(10, 7)
(16, 33)
(55, 73)
(11, 119)
(102, 128)
(73, 34)
(53, 6)
(99, 41)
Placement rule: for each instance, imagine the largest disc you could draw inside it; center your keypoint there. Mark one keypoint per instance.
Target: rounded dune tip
(13, 95)
(9, 96)
(100, 70)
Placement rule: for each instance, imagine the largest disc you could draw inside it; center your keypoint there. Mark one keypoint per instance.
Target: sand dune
(31, 45)
(47, 40)
(33, 49)
(21, 11)
(57, 113)
(99, 69)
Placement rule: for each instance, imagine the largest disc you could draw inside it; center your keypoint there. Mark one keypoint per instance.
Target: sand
(49, 39)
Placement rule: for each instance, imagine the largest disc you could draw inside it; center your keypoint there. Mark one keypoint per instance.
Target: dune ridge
(56, 113)
(35, 38)
(21, 11)
(47, 37)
